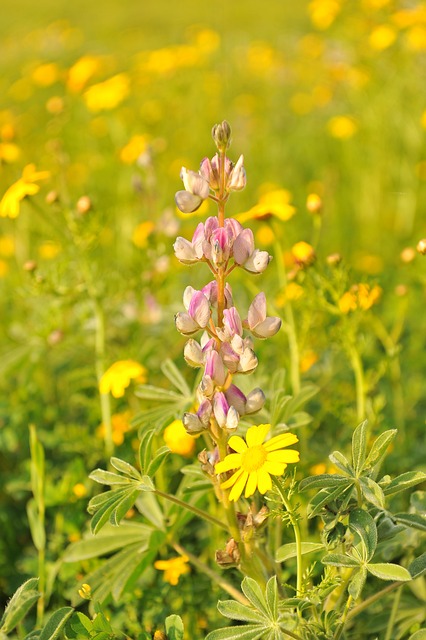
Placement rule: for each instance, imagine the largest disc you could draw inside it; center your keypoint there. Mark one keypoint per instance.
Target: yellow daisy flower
(117, 378)
(256, 460)
(25, 186)
(173, 568)
(272, 203)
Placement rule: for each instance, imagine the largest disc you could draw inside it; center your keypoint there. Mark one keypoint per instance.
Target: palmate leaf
(341, 462)
(413, 520)
(403, 481)
(19, 605)
(378, 449)
(372, 492)
(326, 496)
(340, 560)
(108, 540)
(254, 593)
(359, 446)
(56, 623)
(418, 566)
(173, 374)
(241, 632)
(389, 571)
(238, 611)
(289, 550)
(357, 583)
(323, 481)
(114, 509)
(363, 527)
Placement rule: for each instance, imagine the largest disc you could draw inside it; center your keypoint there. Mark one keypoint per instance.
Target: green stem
(394, 611)
(100, 368)
(358, 370)
(297, 536)
(372, 599)
(212, 574)
(189, 507)
(344, 618)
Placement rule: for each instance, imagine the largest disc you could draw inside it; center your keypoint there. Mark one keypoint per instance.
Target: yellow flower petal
(278, 442)
(237, 444)
(274, 468)
(256, 434)
(238, 487)
(251, 485)
(232, 480)
(283, 456)
(232, 461)
(264, 481)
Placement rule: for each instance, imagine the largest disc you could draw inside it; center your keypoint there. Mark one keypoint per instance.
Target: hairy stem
(189, 507)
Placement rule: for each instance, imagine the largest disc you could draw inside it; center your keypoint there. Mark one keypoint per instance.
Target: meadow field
(323, 242)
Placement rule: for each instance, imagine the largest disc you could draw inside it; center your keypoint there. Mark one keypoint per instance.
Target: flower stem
(189, 507)
(341, 626)
(100, 367)
(358, 370)
(297, 535)
(394, 611)
(239, 597)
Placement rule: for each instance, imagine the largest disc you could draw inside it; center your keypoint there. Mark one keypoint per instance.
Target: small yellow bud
(314, 203)
(407, 255)
(421, 246)
(334, 259)
(85, 591)
(84, 204)
(159, 635)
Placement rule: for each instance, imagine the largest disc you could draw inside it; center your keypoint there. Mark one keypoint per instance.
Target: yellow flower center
(253, 458)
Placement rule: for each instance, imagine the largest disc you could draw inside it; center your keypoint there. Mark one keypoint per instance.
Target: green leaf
(389, 571)
(37, 465)
(241, 632)
(80, 624)
(379, 447)
(271, 595)
(413, 520)
(56, 623)
(147, 504)
(340, 560)
(108, 477)
(115, 509)
(149, 392)
(254, 593)
(325, 497)
(174, 627)
(126, 468)
(289, 550)
(372, 492)
(418, 635)
(362, 525)
(323, 480)
(341, 463)
(38, 533)
(146, 484)
(418, 566)
(157, 460)
(404, 481)
(359, 446)
(307, 392)
(145, 448)
(19, 605)
(171, 371)
(357, 583)
(238, 611)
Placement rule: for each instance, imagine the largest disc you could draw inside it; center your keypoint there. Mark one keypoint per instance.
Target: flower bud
(210, 172)
(237, 180)
(261, 325)
(187, 202)
(220, 246)
(184, 251)
(257, 262)
(421, 247)
(221, 134)
(236, 398)
(255, 400)
(193, 353)
(195, 183)
(314, 203)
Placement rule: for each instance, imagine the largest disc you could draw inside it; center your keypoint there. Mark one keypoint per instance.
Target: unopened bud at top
(221, 134)
(314, 203)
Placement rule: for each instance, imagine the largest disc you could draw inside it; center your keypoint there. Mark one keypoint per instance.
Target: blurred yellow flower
(265, 235)
(25, 186)
(7, 246)
(4, 268)
(314, 203)
(416, 38)
(292, 291)
(108, 94)
(141, 234)
(120, 423)
(173, 568)
(118, 377)
(136, 146)
(323, 12)
(55, 105)
(342, 127)
(178, 440)
(382, 37)
(303, 253)
(44, 75)
(9, 152)
(79, 490)
(307, 360)
(81, 72)
(360, 296)
(49, 250)
(272, 203)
